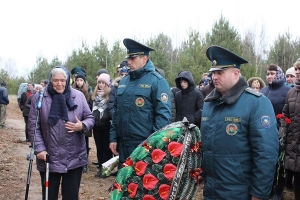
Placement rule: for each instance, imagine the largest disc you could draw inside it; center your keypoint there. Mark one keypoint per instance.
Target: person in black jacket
(25, 110)
(189, 101)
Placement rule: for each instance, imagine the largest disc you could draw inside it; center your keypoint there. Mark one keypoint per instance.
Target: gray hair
(58, 71)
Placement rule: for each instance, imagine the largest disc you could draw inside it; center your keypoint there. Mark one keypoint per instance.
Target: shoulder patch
(252, 91)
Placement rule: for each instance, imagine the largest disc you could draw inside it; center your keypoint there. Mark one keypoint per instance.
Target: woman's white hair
(58, 71)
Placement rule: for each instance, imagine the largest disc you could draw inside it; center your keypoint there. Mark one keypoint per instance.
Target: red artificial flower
(132, 188)
(146, 146)
(169, 171)
(128, 162)
(157, 155)
(287, 120)
(148, 197)
(164, 191)
(140, 168)
(117, 186)
(149, 181)
(195, 174)
(279, 116)
(195, 147)
(175, 148)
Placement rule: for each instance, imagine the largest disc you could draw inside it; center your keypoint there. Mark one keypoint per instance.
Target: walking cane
(31, 155)
(47, 177)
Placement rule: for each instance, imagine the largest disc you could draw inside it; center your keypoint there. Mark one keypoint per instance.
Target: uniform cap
(135, 48)
(76, 70)
(222, 58)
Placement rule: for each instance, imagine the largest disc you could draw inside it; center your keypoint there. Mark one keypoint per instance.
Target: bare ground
(14, 165)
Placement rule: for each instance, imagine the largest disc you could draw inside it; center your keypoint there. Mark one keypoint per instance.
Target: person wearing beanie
(123, 71)
(201, 84)
(3, 103)
(290, 76)
(124, 63)
(276, 92)
(256, 83)
(291, 110)
(81, 85)
(101, 71)
(102, 117)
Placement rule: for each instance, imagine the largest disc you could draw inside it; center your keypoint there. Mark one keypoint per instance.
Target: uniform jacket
(189, 101)
(292, 143)
(112, 95)
(4, 96)
(142, 105)
(66, 150)
(239, 143)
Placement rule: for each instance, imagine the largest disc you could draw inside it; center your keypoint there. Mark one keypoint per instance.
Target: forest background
(190, 55)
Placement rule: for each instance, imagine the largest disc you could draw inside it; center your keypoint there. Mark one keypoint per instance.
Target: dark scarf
(60, 103)
(297, 86)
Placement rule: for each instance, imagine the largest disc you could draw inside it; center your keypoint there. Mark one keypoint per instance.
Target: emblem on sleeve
(139, 102)
(231, 129)
(265, 121)
(164, 97)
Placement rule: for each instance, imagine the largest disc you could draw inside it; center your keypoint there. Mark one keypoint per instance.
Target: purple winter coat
(66, 150)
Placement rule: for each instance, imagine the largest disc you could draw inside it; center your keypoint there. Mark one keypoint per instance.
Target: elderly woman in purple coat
(63, 119)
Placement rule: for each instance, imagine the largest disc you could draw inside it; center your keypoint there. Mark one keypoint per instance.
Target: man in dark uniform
(239, 134)
(142, 105)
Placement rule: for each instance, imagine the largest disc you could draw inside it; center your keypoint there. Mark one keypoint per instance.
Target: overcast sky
(55, 28)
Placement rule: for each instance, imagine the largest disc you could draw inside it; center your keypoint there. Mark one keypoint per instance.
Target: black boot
(297, 192)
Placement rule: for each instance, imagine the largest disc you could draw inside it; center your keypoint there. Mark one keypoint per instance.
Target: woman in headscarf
(64, 116)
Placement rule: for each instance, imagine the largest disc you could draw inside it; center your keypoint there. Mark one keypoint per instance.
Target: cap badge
(214, 63)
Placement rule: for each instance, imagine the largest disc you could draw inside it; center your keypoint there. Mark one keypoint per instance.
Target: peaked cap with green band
(135, 48)
(222, 58)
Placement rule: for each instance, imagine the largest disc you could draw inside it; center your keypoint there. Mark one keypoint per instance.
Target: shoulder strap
(252, 91)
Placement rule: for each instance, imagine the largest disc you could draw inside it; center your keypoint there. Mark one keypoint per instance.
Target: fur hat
(104, 77)
(291, 71)
(164, 166)
(252, 79)
(81, 75)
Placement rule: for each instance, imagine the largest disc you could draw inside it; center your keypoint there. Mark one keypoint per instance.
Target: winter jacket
(25, 109)
(142, 106)
(291, 110)
(239, 144)
(276, 92)
(112, 95)
(66, 150)
(189, 101)
(4, 96)
(174, 90)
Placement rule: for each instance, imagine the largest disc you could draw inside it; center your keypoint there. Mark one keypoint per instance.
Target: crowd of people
(237, 118)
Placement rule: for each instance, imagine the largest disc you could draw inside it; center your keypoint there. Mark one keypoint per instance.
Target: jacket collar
(140, 72)
(231, 96)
